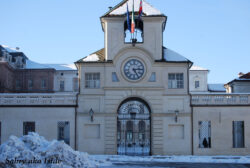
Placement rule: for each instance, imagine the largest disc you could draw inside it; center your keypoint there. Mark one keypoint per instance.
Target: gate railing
(220, 99)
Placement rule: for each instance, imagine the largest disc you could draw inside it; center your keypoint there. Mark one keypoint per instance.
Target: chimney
(110, 7)
(17, 48)
(240, 74)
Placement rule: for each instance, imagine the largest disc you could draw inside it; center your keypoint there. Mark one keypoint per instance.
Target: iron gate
(133, 129)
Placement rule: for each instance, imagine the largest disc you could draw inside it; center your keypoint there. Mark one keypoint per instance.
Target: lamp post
(91, 113)
(176, 115)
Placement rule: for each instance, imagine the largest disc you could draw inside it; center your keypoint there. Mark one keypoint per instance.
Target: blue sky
(214, 34)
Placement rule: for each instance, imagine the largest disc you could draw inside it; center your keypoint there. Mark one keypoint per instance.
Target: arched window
(137, 36)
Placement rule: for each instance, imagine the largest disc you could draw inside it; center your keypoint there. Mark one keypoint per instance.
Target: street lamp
(91, 113)
(176, 115)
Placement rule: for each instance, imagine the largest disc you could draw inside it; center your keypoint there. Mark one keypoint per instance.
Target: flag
(133, 20)
(140, 10)
(128, 20)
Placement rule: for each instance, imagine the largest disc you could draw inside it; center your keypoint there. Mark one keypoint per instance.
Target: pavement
(174, 165)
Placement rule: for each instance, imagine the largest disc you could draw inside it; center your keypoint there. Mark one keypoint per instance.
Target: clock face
(134, 69)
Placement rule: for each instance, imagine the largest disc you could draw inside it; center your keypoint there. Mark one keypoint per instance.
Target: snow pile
(35, 151)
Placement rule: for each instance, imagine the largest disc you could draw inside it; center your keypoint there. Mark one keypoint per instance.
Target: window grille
(28, 127)
(205, 134)
(92, 80)
(238, 134)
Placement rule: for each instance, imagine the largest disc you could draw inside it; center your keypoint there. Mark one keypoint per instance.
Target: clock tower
(148, 34)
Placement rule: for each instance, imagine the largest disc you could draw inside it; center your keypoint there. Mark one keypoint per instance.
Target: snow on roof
(197, 68)
(62, 67)
(172, 56)
(10, 50)
(121, 9)
(34, 65)
(91, 58)
(98, 56)
(58, 67)
(216, 88)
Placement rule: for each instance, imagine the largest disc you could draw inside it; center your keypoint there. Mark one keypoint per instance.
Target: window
(204, 134)
(175, 81)
(61, 85)
(30, 84)
(43, 84)
(63, 131)
(75, 84)
(18, 84)
(152, 77)
(28, 127)
(114, 77)
(238, 134)
(197, 84)
(92, 80)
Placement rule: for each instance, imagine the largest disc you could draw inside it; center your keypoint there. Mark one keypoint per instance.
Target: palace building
(136, 97)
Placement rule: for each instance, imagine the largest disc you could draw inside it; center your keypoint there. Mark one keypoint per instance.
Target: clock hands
(135, 70)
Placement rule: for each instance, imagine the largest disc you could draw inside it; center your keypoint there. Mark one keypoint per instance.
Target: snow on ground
(175, 159)
(34, 151)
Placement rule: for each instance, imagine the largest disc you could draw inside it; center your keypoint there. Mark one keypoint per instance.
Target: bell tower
(133, 23)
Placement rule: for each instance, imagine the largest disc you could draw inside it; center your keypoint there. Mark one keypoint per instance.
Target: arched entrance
(133, 128)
